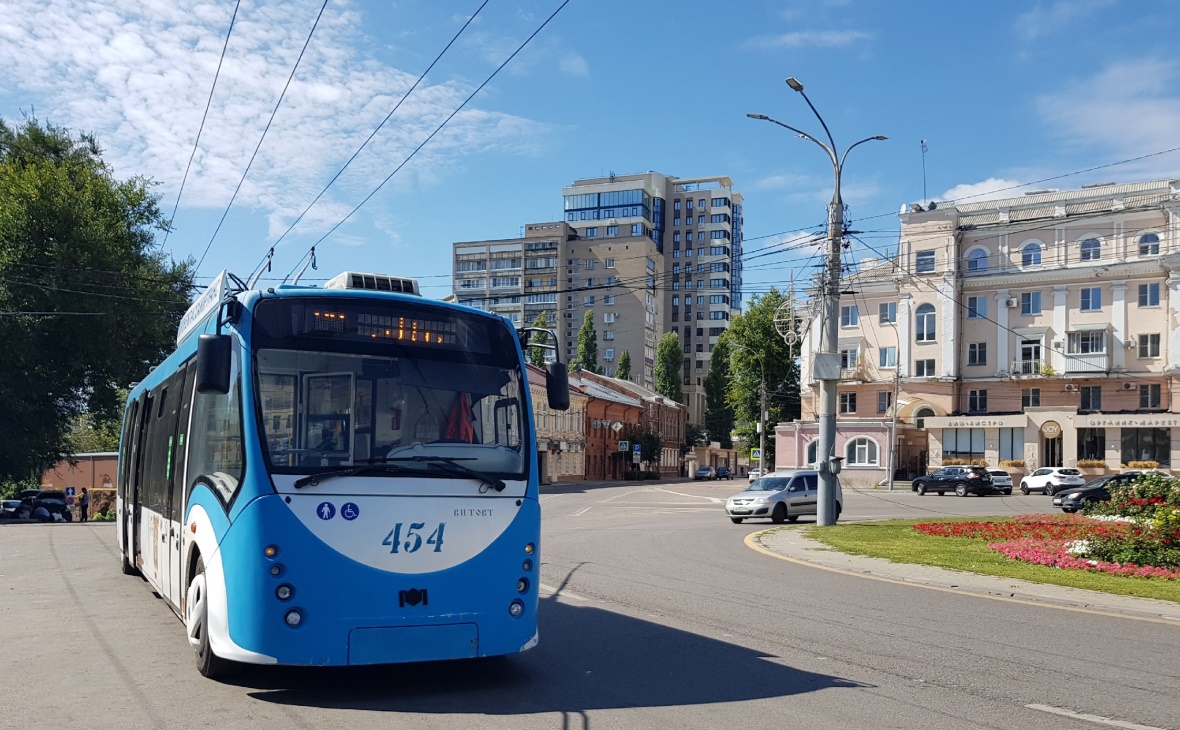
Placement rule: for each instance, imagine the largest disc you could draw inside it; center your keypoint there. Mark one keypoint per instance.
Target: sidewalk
(790, 543)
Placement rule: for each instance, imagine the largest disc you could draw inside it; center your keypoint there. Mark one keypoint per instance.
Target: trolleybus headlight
(276, 569)
(516, 609)
(294, 617)
(271, 551)
(530, 548)
(284, 592)
(526, 565)
(522, 585)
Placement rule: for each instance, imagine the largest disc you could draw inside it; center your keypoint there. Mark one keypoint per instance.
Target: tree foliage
(694, 435)
(718, 411)
(651, 446)
(587, 357)
(624, 371)
(89, 302)
(754, 331)
(669, 361)
(536, 355)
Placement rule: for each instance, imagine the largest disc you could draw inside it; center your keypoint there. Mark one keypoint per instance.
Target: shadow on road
(588, 659)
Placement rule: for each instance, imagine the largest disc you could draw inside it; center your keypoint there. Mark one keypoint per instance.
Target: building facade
(561, 435)
(1032, 331)
(661, 416)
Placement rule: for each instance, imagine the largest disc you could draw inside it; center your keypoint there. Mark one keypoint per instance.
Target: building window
(1011, 444)
(1149, 295)
(1030, 397)
(608, 335)
(924, 368)
(1091, 299)
(924, 262)
(1091, 398)
(1092, 443)
(976, 307)
(848, 357)
(977, 401)
(1030, 255)
(1149, 396)
(849, 316)
(887, 313)
(884, 400)
(977, 353)
(924, 323)
(962, 443)
(861, 451)
(977, 260)
(1091, 249)
(1089, 342)
(612, 230)
(1147, 444)
(812, 451)
(1030, 302)
(589, 300)
(592, 233)
(1149, 244)
(848, 402)
(921, 415)
(608, 317)
(1149, 346)
(887, 357)
(608, 299)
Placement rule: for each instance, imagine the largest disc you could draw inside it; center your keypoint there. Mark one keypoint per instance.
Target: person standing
(84, 503)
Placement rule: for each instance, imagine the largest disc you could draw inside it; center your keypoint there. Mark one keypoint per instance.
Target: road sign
(617, 426)
(636, 448)
(635, 457)
(624, 446)
(756, 454)
(70, 492)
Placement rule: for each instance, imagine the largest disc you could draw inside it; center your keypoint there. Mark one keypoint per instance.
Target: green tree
(754, 330)
(718, 411)
(90, 303)
(669, 360)
(537, 354)
(88, 436)
(624, 371)
(587, 357)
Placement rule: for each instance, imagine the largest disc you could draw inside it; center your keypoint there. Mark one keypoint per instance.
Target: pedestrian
(84, 503)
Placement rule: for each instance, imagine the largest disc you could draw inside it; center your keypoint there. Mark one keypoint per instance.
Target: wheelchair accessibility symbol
(326, 510)
(350, 511)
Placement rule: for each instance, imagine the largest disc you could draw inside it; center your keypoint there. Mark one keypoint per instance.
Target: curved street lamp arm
(874, 138)
(830, 150)
(821, 121)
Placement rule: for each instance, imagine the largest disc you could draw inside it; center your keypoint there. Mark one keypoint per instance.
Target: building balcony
(1028, 368)
(1090, 362)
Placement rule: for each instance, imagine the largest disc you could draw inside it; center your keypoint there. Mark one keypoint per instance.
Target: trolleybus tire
(209, 664)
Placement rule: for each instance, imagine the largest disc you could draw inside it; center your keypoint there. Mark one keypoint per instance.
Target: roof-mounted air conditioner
(373, 282)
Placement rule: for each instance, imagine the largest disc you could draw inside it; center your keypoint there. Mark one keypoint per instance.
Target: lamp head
(794, 83)
(758, 116)
(880, 138)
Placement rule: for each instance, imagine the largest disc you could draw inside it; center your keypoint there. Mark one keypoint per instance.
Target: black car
(1096, 490)
(962, 480)
(53, 501)
(724, 472)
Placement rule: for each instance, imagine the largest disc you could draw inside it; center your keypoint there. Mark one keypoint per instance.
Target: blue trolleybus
(337, 476)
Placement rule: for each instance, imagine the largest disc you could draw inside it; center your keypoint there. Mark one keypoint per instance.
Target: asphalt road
(654, 615)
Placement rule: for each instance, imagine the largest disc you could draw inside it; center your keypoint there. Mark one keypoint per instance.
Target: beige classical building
(1039, 330)
(561, 435)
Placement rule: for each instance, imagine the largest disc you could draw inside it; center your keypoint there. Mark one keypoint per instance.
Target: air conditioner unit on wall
(1071, 388)
(1129, 386)
(1012, 302)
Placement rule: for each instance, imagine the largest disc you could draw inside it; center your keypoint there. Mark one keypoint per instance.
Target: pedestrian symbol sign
(756, 454)
(326, 510)
(624, 445)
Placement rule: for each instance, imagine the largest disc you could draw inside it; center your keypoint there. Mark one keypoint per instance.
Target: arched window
(861, 451)
(813, 453)
(1091, 249)
(924, 323)
(921, 415)
(977, 260)
(1149, 244)
(1030, 255)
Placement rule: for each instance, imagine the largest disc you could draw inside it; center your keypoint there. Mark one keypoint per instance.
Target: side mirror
(557, 386)
(213, 364)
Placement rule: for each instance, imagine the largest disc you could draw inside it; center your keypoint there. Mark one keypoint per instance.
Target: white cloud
(811, 39)
(138, 76)
(1045, 20)
(780, 182)
(574, 65)
(993, 188)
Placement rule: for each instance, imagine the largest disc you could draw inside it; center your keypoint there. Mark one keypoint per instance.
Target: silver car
(782, 496)
(1001, 480)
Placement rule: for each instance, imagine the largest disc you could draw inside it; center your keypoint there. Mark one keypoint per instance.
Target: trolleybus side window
(127, 448)
(176, 503)
(215, 452)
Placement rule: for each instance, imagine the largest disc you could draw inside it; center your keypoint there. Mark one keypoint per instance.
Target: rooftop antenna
(924, 148)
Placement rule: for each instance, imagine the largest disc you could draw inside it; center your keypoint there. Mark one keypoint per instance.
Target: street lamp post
(826, 365)
(761, 410)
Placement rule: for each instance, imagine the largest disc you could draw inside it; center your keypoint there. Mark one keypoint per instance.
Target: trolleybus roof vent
(373, 282)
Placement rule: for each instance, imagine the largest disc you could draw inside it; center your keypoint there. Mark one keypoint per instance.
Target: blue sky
(1005, 93)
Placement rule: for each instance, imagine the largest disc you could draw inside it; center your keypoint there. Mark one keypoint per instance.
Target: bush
(1091, 463)
(10, 488)
(631, 475)
(953, 461)
(1013, 463)
(108, 516)
(1143, 465)
(651, 475)
(1152, 504)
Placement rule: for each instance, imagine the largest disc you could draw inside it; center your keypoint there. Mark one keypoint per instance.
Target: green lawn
(897, 541)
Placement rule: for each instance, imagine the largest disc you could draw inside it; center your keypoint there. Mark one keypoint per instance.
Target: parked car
(705, 472)
(9, 508)
(962, 480)
(724, 472)
(755, 473)
(1001, 480)
(1095, 490)
(53, 501)
(782, 496)
(1051, 479)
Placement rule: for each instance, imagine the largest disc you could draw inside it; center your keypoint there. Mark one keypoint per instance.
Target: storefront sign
(1015, 421)
(1050, 429)
(1161, 420)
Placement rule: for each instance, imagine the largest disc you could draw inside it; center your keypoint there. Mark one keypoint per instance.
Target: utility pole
(826, 365)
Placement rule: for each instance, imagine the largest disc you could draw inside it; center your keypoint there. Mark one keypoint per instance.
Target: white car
(1051, 479)
(755, 473)
(1001, 480)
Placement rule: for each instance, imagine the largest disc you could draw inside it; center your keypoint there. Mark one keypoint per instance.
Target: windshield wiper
(376, 468)
(452, 465)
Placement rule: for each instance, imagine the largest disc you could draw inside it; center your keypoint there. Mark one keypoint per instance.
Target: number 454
(413, 542)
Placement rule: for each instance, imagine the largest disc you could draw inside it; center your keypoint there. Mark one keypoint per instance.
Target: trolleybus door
(175, 507)
(134, 487)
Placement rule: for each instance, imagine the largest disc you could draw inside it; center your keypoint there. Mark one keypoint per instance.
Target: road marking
(561, 594)
(1092, 718)
(752, 543)
(581, 512)
(714, 500)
